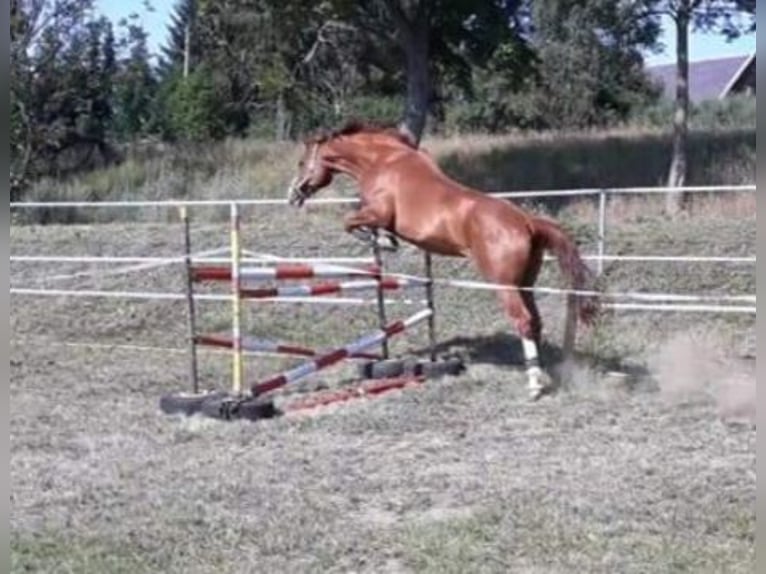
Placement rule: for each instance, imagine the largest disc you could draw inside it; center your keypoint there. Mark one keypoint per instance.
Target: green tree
(437, 43)
(192, 105)
(20, 139)
(136, 87)
(56, 93)
(501, 94)
(98, 71)
(591, 68)
(183, 47)
(63, 69)
(728, 17)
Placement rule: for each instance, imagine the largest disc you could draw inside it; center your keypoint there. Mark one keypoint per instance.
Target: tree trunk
(187, 49)
(678, 167)
(418, 83)
(413, 24)
(281, 120)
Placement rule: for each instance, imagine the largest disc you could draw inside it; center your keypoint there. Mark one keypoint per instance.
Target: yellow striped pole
(236, 257)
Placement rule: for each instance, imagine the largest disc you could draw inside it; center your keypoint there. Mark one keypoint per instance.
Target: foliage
(191, 107)
(183, 22)
(256, 168)
(734, 112)
(136, 88)
(590, 61)
(727, 17)
(61, 70)
(75, 88)
(82, 87)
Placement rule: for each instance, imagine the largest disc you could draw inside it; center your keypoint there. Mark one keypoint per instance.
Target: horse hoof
(388, 248)
(388, 243)
(363, 235)
(539, 386)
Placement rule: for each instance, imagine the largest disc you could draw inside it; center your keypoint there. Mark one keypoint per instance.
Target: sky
(701, 46)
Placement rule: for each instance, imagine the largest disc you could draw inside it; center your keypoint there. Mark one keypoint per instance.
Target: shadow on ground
(503, 349)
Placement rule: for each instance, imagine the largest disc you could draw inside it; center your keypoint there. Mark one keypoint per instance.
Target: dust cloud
(690, 365)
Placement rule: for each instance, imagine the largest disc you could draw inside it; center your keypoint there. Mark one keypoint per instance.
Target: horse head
(313, 173)
(321, 153)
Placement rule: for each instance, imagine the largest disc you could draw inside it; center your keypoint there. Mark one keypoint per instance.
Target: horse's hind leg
(521, 308)
(526, 319)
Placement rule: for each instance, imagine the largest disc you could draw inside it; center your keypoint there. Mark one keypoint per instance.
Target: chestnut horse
(404, 192)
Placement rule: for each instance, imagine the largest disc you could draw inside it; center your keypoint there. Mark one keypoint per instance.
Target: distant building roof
(708, 79)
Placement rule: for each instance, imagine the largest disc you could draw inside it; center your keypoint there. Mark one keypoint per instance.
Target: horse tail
(580, 276)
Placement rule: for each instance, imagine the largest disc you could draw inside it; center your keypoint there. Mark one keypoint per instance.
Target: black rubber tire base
(218, 405)
(185, 403)
(392, 368)
(233, 408)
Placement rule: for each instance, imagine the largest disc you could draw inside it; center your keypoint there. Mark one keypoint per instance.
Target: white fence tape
(682, 308)
(197, 259)
(477, 285)
(202, 260)
(244, 202)
(144, 263)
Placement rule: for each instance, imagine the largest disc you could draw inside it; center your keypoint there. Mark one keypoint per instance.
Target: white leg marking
(535, 375)
(530, 350)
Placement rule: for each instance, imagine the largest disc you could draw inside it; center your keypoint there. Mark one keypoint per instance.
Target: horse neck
(357, 158)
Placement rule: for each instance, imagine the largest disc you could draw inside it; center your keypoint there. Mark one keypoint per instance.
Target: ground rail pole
(236, 302)
(192, 311)
(430, 304)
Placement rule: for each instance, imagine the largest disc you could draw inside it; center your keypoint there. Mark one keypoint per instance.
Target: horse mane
(355, 126)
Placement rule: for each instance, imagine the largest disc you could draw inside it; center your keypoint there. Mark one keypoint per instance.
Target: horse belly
(435, 223)
(441, 247)
(436, 240)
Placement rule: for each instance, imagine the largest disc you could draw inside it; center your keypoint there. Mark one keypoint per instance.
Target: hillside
(252, 168)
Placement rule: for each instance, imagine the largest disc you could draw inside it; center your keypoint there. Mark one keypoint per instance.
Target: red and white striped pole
(337, 355)
(330, 288)
(284, 271)
(253, 345)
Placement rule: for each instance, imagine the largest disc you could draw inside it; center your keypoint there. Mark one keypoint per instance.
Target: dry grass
(626, 209)
(463, 475)
(616, 158)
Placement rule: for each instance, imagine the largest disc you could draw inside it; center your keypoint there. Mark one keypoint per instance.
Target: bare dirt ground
(654, 473)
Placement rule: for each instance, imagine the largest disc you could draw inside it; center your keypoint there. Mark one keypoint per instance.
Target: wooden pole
(187, 50)
(192, 311)
(430, 305)
(601, 232)
(236, 302)
(381, 295)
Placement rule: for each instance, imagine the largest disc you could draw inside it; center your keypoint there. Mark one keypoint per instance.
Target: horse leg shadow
(500, 349)
(503, 349)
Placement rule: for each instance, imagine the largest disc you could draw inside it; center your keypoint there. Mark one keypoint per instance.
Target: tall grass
(256, 168)
(618, 158)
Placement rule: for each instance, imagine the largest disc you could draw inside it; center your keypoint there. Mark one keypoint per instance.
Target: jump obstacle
(244, 285)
